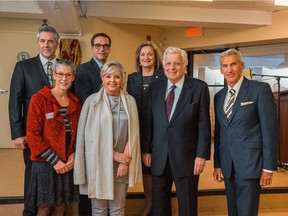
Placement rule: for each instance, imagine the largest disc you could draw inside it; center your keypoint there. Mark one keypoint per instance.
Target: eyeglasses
(61, 75)
(105, 46)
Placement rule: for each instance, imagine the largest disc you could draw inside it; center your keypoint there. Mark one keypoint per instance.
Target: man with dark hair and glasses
(87, 80)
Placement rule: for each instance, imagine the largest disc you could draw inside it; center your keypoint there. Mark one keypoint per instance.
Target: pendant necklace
(146, 81)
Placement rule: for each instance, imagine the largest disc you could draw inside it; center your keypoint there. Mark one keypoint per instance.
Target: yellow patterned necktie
(50, 73)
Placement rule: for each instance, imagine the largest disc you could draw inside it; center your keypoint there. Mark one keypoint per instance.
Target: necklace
(146, 82)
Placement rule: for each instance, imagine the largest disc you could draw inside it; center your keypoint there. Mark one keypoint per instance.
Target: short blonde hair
(111, 67)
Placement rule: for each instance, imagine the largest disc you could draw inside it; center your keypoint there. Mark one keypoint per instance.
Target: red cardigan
(46, 127)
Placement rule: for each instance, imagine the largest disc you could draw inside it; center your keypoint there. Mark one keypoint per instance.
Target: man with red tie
(177, 135)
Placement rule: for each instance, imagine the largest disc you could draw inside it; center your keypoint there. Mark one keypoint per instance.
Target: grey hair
(66, 62)
(173, 50)
(46, 28)
(230, 52)
(111, 67)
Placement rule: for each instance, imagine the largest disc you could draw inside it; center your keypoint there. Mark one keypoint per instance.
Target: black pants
(84, 206)
(28, 211)
(186, 189)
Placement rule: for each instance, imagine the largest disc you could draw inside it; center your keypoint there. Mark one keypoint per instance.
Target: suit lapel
(95, 74)
(221, 103)
(240, 96)
(43, 75)
(157, 75)
(160, 99)
(184, 96)
(93, 62)
(138, 82)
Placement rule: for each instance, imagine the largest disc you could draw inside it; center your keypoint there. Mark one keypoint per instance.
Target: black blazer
(188, 133)
(28, 78)
(87, 80)
(135, 88)
(135, 85)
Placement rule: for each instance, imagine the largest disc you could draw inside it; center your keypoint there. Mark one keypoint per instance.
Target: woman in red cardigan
(51, 132)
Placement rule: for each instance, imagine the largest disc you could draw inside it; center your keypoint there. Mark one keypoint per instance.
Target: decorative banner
(70, 49)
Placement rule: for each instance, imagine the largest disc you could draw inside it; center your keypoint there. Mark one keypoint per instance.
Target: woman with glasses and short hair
(51, 133)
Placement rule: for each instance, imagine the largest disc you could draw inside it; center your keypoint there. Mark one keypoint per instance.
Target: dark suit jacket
(186, 136)
(135, 85)
(27, 79)
(135, 88)
(250, 140)
(87, 80)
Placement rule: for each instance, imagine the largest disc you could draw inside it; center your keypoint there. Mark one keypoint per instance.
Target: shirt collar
(100, 65)
(44, 61)
(179, 84)
(236, 87)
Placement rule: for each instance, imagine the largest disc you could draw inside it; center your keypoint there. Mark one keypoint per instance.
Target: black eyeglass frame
(105, 46)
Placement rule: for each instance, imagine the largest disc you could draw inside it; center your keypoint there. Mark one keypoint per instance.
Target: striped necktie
(229, 106)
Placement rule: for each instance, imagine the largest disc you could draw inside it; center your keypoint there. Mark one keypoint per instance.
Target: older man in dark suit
(177, 135)
(28, 78)
(246, 136)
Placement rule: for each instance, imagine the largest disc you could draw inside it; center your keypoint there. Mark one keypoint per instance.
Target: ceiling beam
(179, 16)
(62, 15)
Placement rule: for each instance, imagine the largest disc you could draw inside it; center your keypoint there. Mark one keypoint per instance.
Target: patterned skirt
(47, 188)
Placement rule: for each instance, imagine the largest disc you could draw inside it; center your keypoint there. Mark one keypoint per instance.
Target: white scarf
(94, 146)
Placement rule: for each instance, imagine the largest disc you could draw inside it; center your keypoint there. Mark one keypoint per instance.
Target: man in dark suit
(88, 81)
(176, 146)
(246, 136)
(28, 78)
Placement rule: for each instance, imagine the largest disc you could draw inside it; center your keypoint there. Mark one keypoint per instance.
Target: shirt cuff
(268, 171)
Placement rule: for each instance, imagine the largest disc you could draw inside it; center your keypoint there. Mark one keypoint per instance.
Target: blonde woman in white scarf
(107, 157)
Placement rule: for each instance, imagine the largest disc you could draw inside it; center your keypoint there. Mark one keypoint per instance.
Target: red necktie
(170, 101)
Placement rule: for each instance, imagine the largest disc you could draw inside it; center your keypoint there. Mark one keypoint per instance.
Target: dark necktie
(229, 106)
(170, 101)
(50, 73)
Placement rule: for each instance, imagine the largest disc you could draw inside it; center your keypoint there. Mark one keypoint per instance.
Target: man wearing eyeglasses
(87, 80)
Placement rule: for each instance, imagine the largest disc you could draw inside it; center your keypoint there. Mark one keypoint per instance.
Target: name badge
(50, 115)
